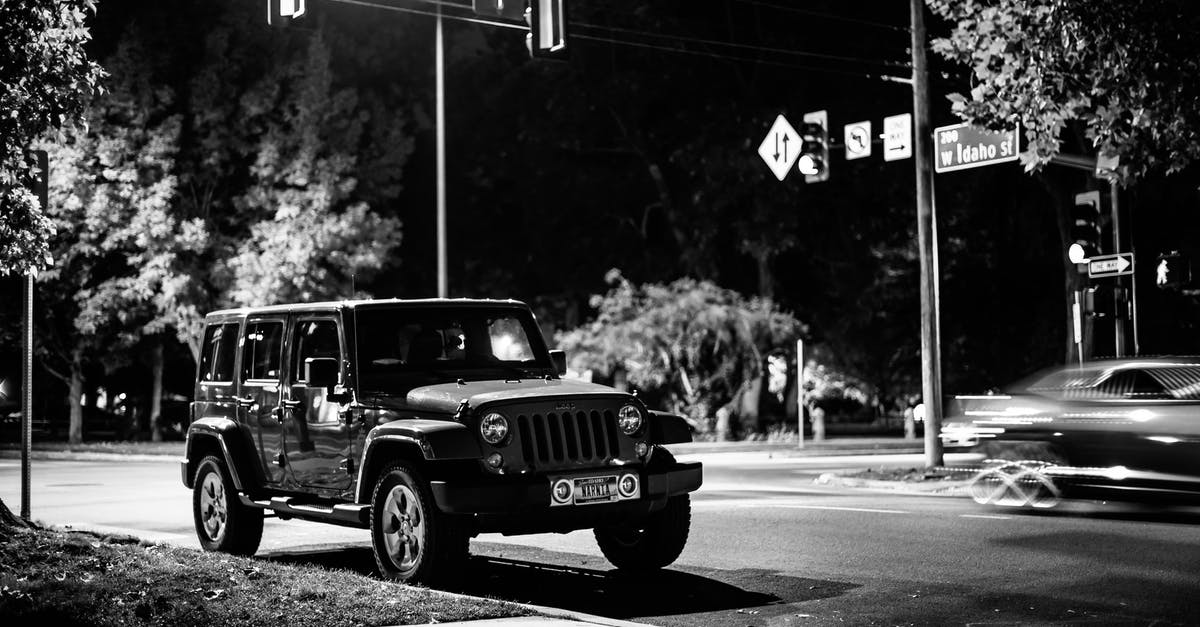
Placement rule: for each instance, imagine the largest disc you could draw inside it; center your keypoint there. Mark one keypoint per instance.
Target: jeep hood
(446, 397)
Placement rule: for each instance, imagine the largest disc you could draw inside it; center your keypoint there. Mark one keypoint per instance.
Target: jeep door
(317, 440)
(259, 384)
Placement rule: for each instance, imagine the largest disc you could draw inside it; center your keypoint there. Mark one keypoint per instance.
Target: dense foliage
(1123, 74)
(689, 341)
(45, 82)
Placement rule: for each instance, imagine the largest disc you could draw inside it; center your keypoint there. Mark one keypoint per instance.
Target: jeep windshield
(403, 346)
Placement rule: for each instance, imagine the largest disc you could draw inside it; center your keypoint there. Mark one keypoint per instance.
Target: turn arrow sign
(1110, 265)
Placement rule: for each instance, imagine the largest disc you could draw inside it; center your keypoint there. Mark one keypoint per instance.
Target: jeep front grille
(556, 440)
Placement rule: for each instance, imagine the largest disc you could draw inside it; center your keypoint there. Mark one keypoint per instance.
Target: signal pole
(931, 370)
(440, 106)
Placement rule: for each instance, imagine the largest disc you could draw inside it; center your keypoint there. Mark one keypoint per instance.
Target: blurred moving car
(1126, 429)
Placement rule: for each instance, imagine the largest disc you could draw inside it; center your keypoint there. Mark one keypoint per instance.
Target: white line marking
(988, 516)
(847, 509)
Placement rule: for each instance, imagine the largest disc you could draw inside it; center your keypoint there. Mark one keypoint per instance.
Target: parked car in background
(1126, 429)
(426, 422)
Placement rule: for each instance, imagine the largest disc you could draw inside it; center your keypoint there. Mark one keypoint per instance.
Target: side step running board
(345, 514)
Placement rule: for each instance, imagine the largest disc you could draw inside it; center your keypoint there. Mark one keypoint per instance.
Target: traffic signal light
(1173, 271)
(510, 9)
(280, 13)
(1106, 301)
(814, 147)
(1085, 227)
(547, 37)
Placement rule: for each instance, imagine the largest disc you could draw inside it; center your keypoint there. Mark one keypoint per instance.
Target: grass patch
(78, 578)
(116, 447)
(909, 475)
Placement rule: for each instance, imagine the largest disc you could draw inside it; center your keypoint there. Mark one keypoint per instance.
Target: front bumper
(525, 494)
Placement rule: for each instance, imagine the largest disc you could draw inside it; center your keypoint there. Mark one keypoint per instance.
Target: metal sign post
(41, 184)
(800, 392)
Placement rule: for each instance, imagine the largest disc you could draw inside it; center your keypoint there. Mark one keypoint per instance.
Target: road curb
(555, 612)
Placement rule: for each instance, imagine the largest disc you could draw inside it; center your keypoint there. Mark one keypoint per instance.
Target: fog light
(561, 491)
(495, 460)
(641, 448)
(627, 486)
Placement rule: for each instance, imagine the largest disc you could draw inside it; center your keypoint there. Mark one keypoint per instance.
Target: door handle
(290, 403)
(244, 402)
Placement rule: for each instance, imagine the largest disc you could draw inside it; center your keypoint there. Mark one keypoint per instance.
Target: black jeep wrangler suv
(427, 422)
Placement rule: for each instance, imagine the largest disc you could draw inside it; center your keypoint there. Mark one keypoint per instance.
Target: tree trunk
(156, 389)
(9, 519)
(75, 398)
(766, 280)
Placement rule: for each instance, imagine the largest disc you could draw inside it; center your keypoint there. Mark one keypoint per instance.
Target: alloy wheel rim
(213, 508)
(403, 527)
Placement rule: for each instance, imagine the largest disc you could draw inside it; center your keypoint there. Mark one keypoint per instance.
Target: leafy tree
(315, 239)
(112, 186)
(1122, 76)
(45, 83)
(691, 343)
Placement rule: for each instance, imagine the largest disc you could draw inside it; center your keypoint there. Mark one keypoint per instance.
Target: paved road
(768, 547)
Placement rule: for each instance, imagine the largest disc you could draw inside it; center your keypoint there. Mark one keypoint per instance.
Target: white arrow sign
(897, 137)
(780, 148)
(1110, 265)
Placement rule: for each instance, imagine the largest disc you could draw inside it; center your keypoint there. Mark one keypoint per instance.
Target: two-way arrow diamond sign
(780, 148)
(1110, 265)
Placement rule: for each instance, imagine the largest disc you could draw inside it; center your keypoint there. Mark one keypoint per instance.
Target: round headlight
(494, 428)
(629, 419)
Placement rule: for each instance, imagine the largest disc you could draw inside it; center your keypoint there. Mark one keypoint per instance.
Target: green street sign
(962, 146)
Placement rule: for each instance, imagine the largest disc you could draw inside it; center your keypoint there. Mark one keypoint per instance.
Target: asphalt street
(769, 546)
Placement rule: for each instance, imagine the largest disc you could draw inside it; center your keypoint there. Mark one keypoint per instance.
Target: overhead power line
(827, 16)
(472, 19)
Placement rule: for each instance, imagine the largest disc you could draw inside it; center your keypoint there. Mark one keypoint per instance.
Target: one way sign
(780, 148)
(1110, 265)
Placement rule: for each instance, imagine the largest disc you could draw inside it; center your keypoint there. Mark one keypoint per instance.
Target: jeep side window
(314, 338)
(216, 362)
(262, 350)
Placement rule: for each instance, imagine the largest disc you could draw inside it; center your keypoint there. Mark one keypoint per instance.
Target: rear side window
(219, 348)
(262, 352)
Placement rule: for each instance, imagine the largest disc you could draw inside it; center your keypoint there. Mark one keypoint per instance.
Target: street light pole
(931, 370)
(442, 274)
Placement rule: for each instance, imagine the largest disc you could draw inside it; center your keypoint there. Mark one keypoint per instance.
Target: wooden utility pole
(931, 370)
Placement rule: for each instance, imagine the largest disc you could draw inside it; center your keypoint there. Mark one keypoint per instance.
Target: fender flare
(235, 447)
(667, 428)
(434, 440)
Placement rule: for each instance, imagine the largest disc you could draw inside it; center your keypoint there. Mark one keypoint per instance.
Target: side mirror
(558, 357)
(321, 372)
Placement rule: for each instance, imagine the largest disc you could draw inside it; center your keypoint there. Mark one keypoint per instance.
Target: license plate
(595, 489)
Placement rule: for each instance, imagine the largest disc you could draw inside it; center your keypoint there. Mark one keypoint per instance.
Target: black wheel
(651, 544)
(413, 542)
(222, 522)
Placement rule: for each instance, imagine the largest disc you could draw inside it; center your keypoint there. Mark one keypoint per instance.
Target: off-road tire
(412, 541)
(651, 544)
(222, 522)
